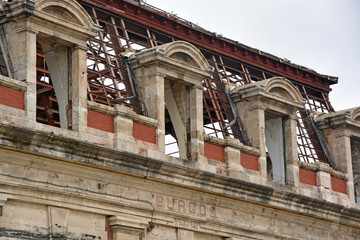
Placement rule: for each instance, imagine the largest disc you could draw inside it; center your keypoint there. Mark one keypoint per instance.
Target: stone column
(341, 151)
(292, 162)
(254, 121)
(196, 124)
(21, 44)
(154, 96)
(79, 89)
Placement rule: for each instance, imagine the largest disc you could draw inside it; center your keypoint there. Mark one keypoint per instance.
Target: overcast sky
(320, 34)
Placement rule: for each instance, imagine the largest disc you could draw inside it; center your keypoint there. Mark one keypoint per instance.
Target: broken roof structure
(155, 128)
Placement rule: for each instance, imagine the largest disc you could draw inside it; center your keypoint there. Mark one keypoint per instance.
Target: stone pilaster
(341, 150)
(155, 100)
(21, 44)
(292, 162)
(253, 117)
(79, 89)
(196, 124)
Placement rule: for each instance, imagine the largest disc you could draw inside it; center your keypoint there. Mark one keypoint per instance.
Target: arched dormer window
(169, 78)
(268, 110)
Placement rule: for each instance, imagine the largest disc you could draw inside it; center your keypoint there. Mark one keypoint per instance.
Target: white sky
(320, 34)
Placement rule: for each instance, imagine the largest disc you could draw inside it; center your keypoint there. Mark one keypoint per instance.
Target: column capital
(257, 106)
(128, 226)
(79, 47)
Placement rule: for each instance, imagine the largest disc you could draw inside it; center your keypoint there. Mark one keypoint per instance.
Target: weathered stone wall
(37, 187)
(106, 175)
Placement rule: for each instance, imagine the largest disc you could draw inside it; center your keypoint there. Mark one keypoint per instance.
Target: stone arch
(283, 88)
(69, 11)
(186, 53)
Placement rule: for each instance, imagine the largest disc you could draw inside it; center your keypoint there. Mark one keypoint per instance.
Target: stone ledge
(98, 107)
(316, 167)
(54, 146)
(127, 112)
(232, 142)
(13, 83)
(123, 111)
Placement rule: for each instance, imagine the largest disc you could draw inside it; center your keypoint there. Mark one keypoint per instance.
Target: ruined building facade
(121, 121)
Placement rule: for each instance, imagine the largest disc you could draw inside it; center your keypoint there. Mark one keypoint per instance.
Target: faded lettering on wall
(185, 206)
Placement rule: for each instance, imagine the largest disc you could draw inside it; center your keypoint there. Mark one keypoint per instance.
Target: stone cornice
(46, 23)
(67, 149)
(180, 70)
(342, 121)
(262, 91)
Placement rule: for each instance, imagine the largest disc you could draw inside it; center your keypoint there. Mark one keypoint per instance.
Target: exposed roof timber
(177, 27)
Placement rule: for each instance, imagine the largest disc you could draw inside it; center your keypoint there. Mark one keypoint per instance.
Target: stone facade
(104, 174)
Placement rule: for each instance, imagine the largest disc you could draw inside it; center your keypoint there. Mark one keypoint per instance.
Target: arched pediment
(282, 87)
(177, 61)
(186, 53)
(69, 11)
(183, 57)
(356, 114)
(62, 13)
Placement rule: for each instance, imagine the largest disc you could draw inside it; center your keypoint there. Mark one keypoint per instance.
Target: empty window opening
(54, 81)
(275, 145)
(47, 109)
(176, 119)
(171, 145)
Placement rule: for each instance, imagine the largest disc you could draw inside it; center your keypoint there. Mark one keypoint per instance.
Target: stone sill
(13, 83)
(123, 111)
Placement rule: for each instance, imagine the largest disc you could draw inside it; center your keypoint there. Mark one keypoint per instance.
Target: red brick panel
(144, 133)
(100, 121)
(108, 228)
(0, 211)
(214, 152)
(307, 177)
(249, 161)
(338, 185)
(12, 97)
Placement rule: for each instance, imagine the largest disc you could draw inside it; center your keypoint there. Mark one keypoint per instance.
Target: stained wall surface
(88, 167)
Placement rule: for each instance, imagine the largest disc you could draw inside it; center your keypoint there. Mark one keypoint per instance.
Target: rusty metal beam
(171, 25)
